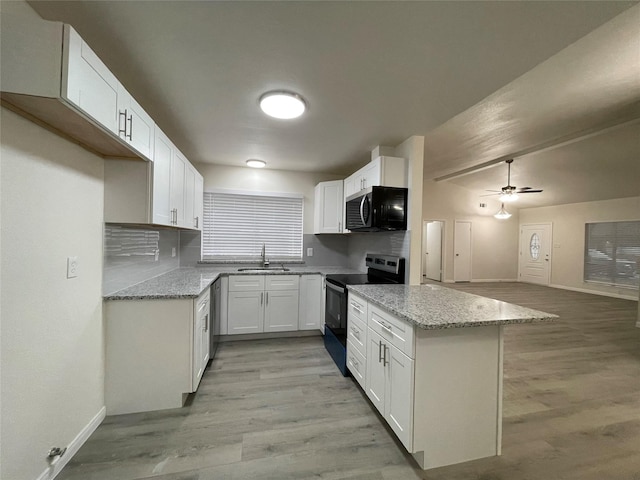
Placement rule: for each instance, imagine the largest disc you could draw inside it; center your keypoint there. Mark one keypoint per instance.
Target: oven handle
(335, 287)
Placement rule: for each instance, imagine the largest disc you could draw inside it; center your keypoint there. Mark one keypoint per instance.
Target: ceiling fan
(510, 193)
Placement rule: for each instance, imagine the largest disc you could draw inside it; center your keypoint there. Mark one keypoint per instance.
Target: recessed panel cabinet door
(163, 148)
(375, 371)
(281, 310)
(135, 126)
(189, 205)
(88, 84)
(178, 168)
(245, 312)
(399, 395)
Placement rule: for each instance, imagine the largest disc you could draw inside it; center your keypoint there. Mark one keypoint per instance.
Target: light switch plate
(173, 251)
(310, 252)
(72, 267)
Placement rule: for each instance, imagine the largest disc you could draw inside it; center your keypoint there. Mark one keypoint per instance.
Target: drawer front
(356, 363)
(202, 302)
(282, 282)
(357, 334)
(246, 283)
(356, 308)
(397, 332)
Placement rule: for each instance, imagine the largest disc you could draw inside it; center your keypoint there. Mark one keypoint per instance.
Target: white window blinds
(239, 224)
(612, 253)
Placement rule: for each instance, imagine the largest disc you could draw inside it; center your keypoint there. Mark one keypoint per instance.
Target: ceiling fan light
(502, 214)
(509, 197)
(283, 105)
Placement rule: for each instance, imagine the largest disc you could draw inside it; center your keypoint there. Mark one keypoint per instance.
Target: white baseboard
(59, 463)
(596, 292)
(493, 280)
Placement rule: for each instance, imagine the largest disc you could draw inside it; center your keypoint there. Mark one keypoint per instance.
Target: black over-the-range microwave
(377, 209)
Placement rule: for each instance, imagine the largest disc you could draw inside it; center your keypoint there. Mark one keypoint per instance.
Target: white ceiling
(372, 73)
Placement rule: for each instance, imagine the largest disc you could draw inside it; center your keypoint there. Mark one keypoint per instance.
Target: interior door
(433, 250)
(535, 253)
(462, 252)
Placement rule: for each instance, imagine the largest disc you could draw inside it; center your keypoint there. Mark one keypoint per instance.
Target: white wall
(266, 180)
(567, 257)
(494, 251)
(52, 351)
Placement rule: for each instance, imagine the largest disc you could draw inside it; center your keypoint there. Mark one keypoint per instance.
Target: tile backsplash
(135, 254)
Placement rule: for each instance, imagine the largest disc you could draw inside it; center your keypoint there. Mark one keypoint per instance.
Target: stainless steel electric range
(381, 269)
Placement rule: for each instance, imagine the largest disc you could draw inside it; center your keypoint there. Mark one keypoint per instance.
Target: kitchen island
(430, 359)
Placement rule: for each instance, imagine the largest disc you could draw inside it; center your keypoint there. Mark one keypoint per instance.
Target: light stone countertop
(190, 282)
(434, 307)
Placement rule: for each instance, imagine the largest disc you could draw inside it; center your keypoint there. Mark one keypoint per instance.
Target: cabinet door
(372, 174)
(329, 207)
(245, 312)
(311, 302)
(350, 186)
(375, 371)
(135, 126)
(399, 394)
(88, 84)
(178, 167)
(189, 197)
(161, 208)
(198, 199)
(201, 326)
(281, 311)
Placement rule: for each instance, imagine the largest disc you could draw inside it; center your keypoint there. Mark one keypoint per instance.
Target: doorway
(535, 253)
(462, 252)
(432, 241)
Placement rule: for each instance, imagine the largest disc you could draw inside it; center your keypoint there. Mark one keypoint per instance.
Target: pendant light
(502, 214)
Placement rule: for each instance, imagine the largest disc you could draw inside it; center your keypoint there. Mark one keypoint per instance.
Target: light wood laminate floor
(278, 409)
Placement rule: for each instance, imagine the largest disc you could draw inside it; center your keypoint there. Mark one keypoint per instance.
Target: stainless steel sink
(263, 269)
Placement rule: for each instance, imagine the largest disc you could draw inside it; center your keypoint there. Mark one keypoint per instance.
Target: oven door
(335, 316)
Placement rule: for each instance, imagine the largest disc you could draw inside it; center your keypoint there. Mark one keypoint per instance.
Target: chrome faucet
(265, 261)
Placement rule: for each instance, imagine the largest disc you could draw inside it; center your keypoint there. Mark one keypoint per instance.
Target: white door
(535, 253)
(399, 394)
(281, 310)
(375, 377)
(245, 312)
(462, 252)
(432, 258)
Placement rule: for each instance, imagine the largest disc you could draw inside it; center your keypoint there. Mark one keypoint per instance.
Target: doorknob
(457, 254)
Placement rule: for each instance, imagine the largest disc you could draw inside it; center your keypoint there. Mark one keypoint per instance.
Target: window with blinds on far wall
(238, 224)
(612, 253)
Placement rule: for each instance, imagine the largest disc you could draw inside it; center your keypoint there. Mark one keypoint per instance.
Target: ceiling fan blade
(491, 194)
(530, 191)
(525, 188)
(496, 191)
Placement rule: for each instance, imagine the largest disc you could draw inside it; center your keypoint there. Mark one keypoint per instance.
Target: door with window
(535, 253)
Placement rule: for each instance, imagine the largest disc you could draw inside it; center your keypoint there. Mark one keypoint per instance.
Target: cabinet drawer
(397, 332)
(356, 363)
(246, 283)
(357, 334)
(356, 308)
(282, 282)
(202, 302)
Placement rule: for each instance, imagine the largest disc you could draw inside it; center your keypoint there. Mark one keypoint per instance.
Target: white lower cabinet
(262, 303)
(311, 303)
(201, 336)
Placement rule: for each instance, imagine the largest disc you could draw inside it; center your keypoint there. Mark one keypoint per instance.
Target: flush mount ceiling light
(502, 214)
(282, 104)
(254, 163)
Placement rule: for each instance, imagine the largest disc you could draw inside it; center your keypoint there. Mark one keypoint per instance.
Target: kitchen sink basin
(263, 269)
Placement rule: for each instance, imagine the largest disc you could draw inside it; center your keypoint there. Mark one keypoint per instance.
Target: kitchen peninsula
(430, 359)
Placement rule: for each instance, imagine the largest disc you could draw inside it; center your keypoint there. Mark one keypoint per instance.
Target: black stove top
(357, 279)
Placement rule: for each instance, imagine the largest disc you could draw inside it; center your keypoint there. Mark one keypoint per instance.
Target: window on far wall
(612, 253)
(238, 224)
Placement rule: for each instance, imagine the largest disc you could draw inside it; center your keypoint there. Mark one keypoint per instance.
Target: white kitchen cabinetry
(387, 171)
(329, 207)
(155, 192)
(135, 126)
(311, 302)
(156, 351)
(262, 303)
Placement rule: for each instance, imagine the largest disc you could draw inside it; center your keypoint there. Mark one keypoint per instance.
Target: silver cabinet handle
(339, 227)
(356, 334)
(267, 298)
(120, 115)
(261, 298)
(130, 126)
(384, 357)
(197, 221)
(206, 323)
(380, 351)
(385, 326)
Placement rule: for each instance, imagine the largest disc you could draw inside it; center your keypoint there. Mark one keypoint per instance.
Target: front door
(462, 252)
(535, 253)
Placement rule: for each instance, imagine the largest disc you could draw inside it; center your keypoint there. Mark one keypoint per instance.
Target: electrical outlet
(310, 252)
(173, 251)
(72, 267)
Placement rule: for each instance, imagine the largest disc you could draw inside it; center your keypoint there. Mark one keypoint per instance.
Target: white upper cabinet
(193, 197)
(198, 200)
(161, 205)
(135, 126)
(88, 83)
(387, 171)
(177, 195)
(329, 207)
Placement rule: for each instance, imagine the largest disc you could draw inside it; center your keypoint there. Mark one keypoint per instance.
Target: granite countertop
(434, 307)
(190, 282)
